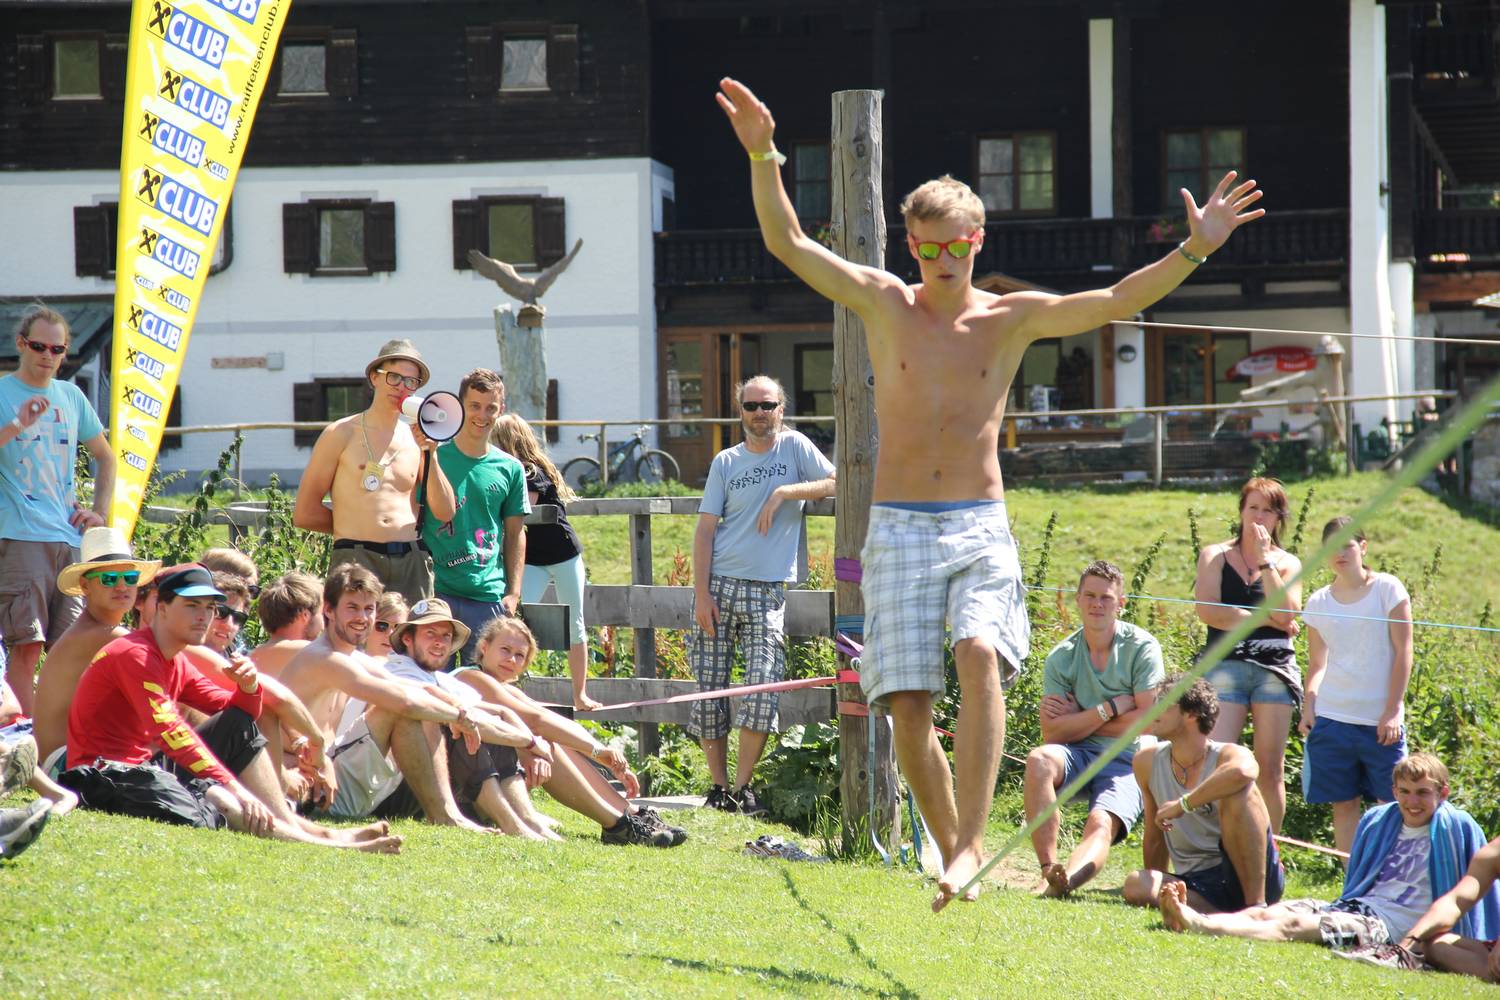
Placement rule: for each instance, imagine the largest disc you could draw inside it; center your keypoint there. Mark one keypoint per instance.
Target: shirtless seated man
(384, 730)
(370, 462)
(291, 612)
(944, 354)
(1203, 812)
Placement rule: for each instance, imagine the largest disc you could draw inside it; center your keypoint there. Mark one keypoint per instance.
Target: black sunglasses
(223, 611)
(41, 348)
(751, 407)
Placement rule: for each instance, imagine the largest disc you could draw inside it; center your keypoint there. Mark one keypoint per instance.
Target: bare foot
(373, 831)
(63, 803)
(379, 845)
(1172, 901)
(583, 703)
(547, 821)
(955, 876)
(1058, 884)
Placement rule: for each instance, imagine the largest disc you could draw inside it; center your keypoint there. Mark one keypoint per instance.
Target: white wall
(601, 313)
(1102, 117)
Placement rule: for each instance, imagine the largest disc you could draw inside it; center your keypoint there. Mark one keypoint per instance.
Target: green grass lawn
(1120, 523)
(105, 906)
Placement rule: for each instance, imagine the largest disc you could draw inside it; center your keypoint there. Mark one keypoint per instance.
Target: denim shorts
(1240, 682)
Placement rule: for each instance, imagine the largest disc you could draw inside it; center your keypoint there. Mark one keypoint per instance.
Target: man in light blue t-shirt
(1095, 684)
(41, 520)
(744, 552)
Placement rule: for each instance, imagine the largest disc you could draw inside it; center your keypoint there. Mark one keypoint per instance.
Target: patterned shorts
(1344, 924)
(752, 617)
(922, 569)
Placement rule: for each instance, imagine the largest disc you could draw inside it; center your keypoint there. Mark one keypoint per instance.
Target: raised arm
(1227, 209)
(825, 271)
(309, 514)
(402, 697)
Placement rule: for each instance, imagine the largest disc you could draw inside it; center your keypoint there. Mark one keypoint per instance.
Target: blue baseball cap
(187, 580)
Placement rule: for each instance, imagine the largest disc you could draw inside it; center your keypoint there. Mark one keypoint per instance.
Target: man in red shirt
(129, 749)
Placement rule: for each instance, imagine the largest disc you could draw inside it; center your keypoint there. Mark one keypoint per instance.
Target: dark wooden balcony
(1458, 238)
(1456, 62)
(1059, 252)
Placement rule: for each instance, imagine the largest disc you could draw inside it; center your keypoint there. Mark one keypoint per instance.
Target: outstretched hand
(751, 119)
(1225, 211)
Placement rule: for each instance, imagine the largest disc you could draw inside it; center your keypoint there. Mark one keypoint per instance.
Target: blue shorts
(1344, 761)
(476, 615)
(1113, 789)
(1220, 885)
(1240, 682)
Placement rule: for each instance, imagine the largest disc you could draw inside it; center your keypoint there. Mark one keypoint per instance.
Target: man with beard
(744, 551)
(487, 778)
(384, 731)
(131, 752)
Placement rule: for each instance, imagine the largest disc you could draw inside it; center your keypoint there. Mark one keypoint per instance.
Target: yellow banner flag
(195, 73)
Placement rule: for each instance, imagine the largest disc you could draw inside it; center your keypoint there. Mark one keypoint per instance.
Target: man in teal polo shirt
(1096, 683)
(478, 557)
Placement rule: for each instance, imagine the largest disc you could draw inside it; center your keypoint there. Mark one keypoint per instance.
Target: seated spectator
(1203, 812)
(505, 650)
(1471, 907)
(389, 614)
(1096, 683)
(230, 614)
(1357, 671)
(130, 752)
(485, 778)
(234, 562)
(375, 721)
(291, 612)
(1404, 853)
(109, 579)
(19, 828)
(18, 757)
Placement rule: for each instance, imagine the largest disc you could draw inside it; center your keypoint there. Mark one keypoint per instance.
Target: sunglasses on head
(751, 406)
(957, 249)
(223, 611)
(381, 626)
(396, 378)
(110, 578)
(56, 349)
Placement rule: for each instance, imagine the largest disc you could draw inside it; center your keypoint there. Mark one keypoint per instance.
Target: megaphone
(439, 415)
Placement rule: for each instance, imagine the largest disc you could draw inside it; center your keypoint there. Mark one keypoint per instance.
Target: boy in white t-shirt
(1357, 672)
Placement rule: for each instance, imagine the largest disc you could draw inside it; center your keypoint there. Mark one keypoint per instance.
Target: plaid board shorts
(1344, 924)
(922, 569)
(752, 617)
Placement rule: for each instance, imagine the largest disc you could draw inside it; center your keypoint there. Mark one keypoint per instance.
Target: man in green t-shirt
(479, 556)
(1096, 682)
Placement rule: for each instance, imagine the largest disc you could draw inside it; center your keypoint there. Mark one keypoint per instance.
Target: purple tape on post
(848, 570)
(848, 646)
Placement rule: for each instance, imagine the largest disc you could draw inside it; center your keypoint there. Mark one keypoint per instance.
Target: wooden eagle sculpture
(525, 290)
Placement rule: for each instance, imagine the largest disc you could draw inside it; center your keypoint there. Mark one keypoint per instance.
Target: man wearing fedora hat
(107, 576)
(487, 778)
(40, 516)
(372, 464)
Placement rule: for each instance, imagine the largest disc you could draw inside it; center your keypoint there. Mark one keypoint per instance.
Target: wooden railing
(1458, 236)
(1450, 58)
(1031, 248)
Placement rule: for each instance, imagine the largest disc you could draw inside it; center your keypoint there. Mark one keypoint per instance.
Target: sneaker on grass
(747, 802)
(19, 828)
(1390, 956)
(719, 798)
(653, 819)
(630, 829)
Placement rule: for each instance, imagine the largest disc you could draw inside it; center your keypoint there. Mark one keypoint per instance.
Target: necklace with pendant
(374, 471)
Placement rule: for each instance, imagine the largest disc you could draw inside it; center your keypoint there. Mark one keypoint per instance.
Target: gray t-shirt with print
(740, 482)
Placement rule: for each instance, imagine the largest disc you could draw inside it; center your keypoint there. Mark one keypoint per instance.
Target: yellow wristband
(772, 154)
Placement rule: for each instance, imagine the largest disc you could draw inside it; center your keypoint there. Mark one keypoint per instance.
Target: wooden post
(859, 231)
(523, 365)
(604, 465)
(645, 638)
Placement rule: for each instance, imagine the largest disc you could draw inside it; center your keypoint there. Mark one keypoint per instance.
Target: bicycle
(629, 462)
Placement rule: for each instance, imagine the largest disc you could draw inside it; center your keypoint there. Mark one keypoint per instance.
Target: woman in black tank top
(1259, 677)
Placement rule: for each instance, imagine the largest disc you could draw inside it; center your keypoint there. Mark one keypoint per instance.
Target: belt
(380, 548)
